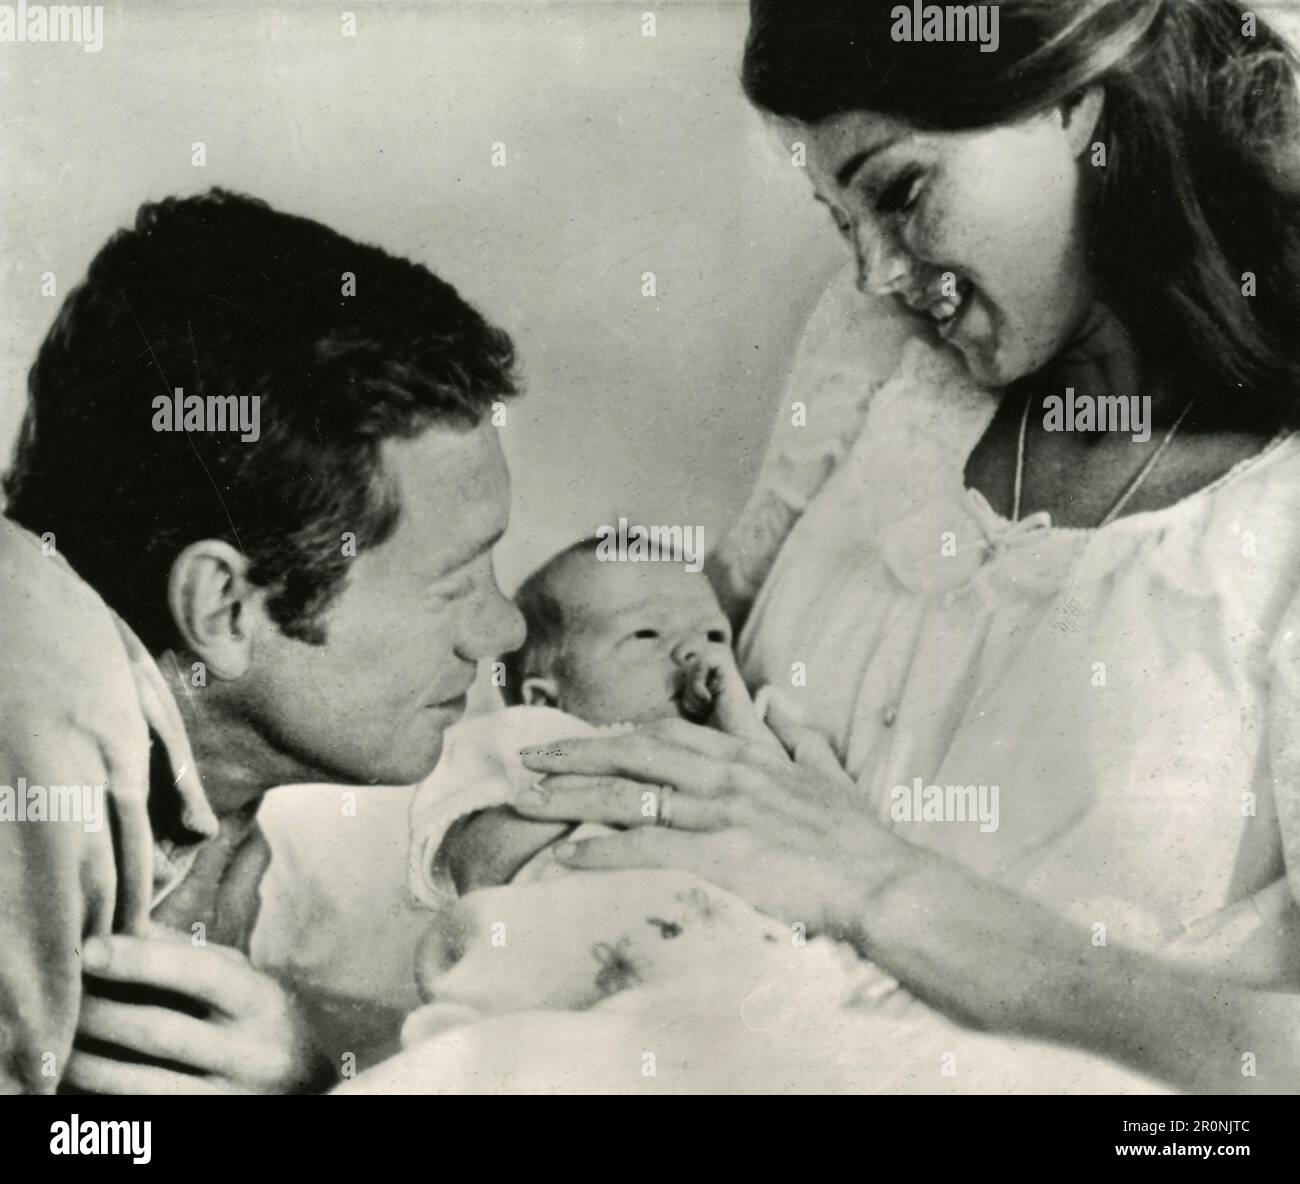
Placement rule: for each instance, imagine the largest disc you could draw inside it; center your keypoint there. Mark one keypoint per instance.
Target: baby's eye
(646, 634)
(899, 196)
(719, 637)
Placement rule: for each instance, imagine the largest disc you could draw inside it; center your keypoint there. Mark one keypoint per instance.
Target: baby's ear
(541, 692)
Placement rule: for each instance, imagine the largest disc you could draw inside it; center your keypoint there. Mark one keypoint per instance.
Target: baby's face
(634, 633)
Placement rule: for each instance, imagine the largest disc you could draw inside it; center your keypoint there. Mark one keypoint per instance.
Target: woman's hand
(779, 824)
(252, 1039)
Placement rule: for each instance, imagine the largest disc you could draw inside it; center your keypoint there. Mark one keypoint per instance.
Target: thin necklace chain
(1129, 490)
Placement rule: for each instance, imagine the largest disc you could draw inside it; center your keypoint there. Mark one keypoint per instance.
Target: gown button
(890, 715)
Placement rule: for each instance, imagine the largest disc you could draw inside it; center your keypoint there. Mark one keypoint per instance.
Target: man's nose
(883, 266)
(500, 629)
(513, 628)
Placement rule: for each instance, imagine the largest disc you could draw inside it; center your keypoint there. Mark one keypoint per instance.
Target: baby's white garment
(336, 914)
(481, 768)
(657, 982)
(342, 909)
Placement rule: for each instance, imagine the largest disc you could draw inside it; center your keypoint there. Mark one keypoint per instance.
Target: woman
(1092, 628)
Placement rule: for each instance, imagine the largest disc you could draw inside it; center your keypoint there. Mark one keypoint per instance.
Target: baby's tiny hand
(715, 694)
(699, 689)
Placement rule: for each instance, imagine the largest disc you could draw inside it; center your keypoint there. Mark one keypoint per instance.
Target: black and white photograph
(686, 548)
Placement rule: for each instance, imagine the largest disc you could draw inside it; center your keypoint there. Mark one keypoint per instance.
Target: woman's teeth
(945, 310)
(947, 307)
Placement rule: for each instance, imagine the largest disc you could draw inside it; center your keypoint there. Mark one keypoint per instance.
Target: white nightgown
(1114, 684)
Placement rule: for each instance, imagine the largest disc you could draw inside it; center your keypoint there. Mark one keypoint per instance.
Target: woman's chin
(984, 365)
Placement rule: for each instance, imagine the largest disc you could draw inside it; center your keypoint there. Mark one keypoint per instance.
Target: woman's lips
(947, 327)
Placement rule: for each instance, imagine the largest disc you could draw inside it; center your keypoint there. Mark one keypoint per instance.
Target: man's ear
(1081, 118)
(213, 606)
(540, 692)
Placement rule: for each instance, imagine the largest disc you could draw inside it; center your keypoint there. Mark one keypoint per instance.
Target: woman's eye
(899, 196)
(718, 637)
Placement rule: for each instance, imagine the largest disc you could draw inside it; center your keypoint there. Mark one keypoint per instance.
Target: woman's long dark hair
(1202, 133)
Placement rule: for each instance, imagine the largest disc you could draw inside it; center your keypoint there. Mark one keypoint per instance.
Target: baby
(541, 979)
(610, 644)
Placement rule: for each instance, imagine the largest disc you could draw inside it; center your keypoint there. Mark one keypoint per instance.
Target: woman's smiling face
(980, 233)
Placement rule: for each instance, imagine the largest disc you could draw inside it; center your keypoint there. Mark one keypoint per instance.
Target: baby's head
(614, 641)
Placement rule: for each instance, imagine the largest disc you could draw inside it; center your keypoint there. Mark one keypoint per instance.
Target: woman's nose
(883, 267)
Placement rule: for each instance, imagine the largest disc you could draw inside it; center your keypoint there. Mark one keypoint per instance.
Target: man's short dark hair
(542, 653)
(223, 296)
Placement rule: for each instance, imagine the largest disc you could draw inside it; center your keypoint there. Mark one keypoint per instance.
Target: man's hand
(253, 1037)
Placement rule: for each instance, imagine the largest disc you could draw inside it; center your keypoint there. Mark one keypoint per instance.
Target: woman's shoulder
(1252, 511)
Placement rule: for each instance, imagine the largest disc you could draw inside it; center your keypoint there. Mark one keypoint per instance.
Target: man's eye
(452, 591)
(899, 196)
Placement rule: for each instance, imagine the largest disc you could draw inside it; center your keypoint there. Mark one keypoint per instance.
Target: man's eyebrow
(466, 557)
(851, 167)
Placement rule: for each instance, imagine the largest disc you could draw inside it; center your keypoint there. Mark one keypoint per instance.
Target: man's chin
(394, 768)
(417, 767)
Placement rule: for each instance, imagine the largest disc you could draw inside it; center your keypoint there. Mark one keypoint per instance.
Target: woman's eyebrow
(851, 167)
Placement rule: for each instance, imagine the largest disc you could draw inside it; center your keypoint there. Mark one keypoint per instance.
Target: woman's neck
(1101, 361)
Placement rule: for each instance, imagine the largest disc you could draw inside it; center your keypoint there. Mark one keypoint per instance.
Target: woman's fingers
(154, 1031)
(633, 849)
(669, 752)
(618, 802)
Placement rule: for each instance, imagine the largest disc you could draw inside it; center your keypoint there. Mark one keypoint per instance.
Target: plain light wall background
(625, 154)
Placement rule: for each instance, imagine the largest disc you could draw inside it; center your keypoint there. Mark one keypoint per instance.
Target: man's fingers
(94, 1074)
(199, 972)
(617, 802)
(154, 1031)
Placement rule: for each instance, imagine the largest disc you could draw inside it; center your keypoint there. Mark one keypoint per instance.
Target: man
(251, 511)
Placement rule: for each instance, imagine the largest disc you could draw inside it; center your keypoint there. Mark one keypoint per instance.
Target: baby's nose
(690, 651)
